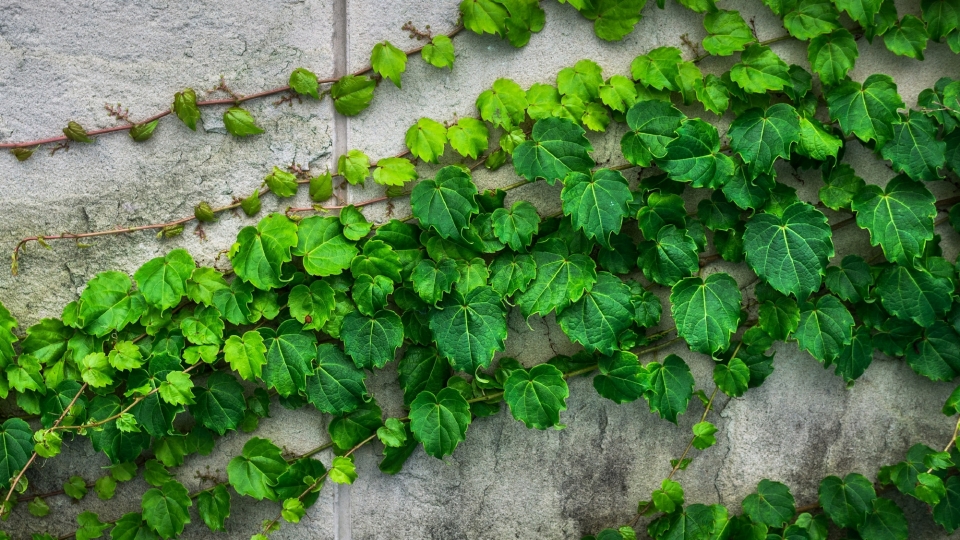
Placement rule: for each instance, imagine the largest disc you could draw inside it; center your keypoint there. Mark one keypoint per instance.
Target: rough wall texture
(61, 61)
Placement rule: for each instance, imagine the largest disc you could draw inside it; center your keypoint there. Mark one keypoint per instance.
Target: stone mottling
(505, 481)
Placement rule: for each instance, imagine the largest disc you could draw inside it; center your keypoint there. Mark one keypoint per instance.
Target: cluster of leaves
(313, 305)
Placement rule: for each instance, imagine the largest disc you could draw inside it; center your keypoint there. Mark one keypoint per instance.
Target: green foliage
(290, 319)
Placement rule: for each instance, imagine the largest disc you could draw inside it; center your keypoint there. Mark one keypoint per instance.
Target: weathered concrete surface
(60, 63)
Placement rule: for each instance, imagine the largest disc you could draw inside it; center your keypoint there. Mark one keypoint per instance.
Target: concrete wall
(62, 61)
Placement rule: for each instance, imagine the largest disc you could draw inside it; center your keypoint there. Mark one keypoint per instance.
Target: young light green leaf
(469, 137)
(256, 470)
(185, 107)
(260, 252)
(163, 280)
(354, 166)
(304, 82)
(760, 70)
(325, 250)
(426, 139)
(240, 123)
(352, 94)
(727, 33)
(658, 68)
(439, 52)
(388, 61)
(246, 354)
(394, 171)
(504, 105)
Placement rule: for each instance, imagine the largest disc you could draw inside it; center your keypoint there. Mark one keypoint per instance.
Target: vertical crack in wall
(341, 493)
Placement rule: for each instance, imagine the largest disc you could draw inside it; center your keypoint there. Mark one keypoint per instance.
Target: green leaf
(432, 280)
(596, 204)
(163, 280)
(517, 226)
(862, 11)
(762, 136)
(354, 166)
(914, 148)
(185, 107)
(661, 209)
(388, 61)
(177, 389)
(439, 421)
(260, 252)
(426, 139)
(239, 122)
(583, 80)
(469, 137)
(377, 259)
(826, 326)
(219, 406)
(868, 111)
(281, 182)
(732, 378)
(694, 156)
(256, 470)
(324, 249)
(899, 219)
(421, 369)
(537, 396)
(336, 387)
(352, 94)
(613, 20)
(351, 429)
(840, 187)
(38, 507)
(316, 302)
(166, 509)
(214, 507)
(140, 132)
(658, 68)
(342, 470)
(108, 304)
(445, 203)
(703, 435)
(811, 18)
(941, 16)
(205, 327)
(95, 371)
(907, 38)
(598, 318)
(790, 251)
(779, 316)
(304, 82)
(618, 93)
(847, 501)
(510, 273)
(504, 105)
(669, 258)
(439, 52)
(557, 147)
(947, 512)
(290, 353)
(16, 447)
(91, 526)
(394, 171)
(717, 214)
(771, 505)
(914, 294)
(653, 124)
(621, 379)
(393, 433)
(561, 278)
(670, 387)
(884, 522)
(727, 33)
(469, 328)
(372, 341)
(760, 70)
(203, 285)
(833, 55)
(75, 488)
(246, 355)
(483, 16)
(707, 312)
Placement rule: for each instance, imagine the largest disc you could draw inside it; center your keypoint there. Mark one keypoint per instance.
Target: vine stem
(196, 494)
(13, 485)
(207, 103)
(269, 525)
(685, 450)
(126, 409)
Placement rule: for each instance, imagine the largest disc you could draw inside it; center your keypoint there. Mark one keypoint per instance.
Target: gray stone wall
(63, 61)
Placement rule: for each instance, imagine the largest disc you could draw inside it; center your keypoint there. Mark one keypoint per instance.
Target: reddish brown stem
(206, 103)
